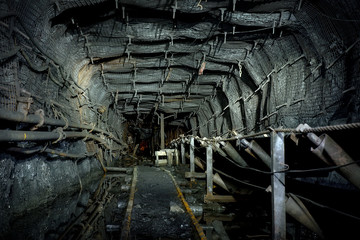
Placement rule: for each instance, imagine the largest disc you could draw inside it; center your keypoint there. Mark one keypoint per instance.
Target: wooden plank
(278, 187)
(195, 175)
(219, 198)
(210, 217)
(126, 224)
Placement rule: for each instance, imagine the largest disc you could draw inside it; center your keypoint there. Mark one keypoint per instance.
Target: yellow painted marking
(195, 222)
(24, 136)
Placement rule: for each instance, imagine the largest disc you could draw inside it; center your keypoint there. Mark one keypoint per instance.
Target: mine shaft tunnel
(179, 119)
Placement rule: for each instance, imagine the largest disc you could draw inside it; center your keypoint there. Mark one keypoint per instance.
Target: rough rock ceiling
(210, 66)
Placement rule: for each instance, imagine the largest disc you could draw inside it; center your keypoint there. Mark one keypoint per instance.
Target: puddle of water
(51, 220)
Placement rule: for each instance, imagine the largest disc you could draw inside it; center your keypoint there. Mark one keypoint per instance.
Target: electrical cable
(322, 169)
(327, 207)
(287, 170)
(235, 179)
(301, 197)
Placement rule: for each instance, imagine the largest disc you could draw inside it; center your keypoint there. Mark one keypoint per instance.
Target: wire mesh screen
(8, 83)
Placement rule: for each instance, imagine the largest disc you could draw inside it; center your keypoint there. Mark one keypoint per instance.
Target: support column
(209, 170)
(278, 187)
(162, 134)
(192, 157)
(182, 151)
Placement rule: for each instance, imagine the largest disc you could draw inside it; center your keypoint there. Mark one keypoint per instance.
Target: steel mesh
(8, 83)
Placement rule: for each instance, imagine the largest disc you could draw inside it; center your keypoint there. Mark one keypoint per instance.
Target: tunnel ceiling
(209, 66)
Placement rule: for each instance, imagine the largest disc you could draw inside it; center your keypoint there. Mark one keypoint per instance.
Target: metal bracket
(172, 40)
(222, 13)
(128, 53)
(174, 9)
(123, 12)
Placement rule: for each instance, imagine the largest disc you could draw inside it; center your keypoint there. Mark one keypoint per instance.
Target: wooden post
(192, 157)
(278, 187)
(162, 130)
(209, 170)
(183, 151)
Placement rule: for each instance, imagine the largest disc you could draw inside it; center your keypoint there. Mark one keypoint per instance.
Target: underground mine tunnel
(179, 119)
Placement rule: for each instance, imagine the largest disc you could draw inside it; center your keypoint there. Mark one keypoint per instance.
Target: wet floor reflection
(77, 215)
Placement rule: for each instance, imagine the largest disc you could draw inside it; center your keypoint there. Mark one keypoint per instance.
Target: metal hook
(174, 9)
(222, 13)
(123, 12)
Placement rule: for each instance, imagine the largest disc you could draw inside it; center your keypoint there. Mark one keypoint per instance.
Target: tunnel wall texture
(284, 63)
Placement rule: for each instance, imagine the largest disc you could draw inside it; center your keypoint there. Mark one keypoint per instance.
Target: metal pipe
(218, 149)
(35, 119)
(294, 208)
(162, 134)
(47, 150)
(231, 151)
(217, 179)
(278, 187)
(337, 155)
(183, 151)
(209, 170)
(192, 160)
(257, 149)
(118, 169)
(18, 136)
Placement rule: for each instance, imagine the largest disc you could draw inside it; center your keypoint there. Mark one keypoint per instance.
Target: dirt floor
(158, 212)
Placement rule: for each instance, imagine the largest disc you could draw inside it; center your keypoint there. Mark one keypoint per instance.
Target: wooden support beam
(219, 198)
(192, 157)
(210, 217)
(278, 198)
(195, 175)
